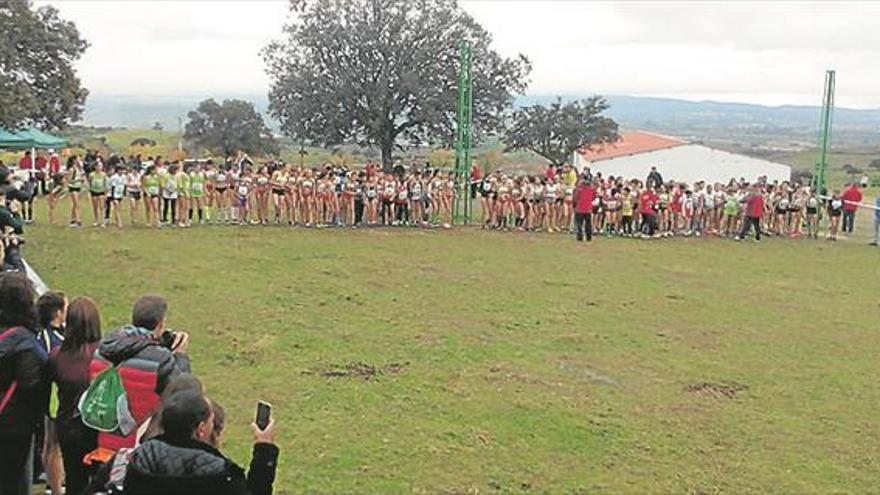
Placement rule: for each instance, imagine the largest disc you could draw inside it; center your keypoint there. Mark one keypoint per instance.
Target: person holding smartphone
(186, 459)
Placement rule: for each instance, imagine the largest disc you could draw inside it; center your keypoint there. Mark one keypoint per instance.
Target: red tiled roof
(630, 143)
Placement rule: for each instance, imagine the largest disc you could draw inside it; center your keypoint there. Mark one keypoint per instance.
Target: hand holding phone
(264, 414)
(264, 426)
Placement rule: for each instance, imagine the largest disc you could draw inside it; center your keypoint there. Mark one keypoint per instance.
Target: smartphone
(264, 412)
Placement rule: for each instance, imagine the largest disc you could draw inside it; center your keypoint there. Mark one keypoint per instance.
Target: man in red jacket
(851, 197)
(754, 212)
(584, 195)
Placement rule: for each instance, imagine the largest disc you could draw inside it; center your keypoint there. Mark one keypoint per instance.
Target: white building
(678, 160)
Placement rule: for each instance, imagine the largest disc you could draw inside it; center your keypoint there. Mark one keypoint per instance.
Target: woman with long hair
(261, 195)
(486, 206)
(98, 190)
(210, 190)
(278, 188)
(134, 191)
(222, 195)
(796, 212)
(197, 191)
(371, 199)
(550, 195)
(812, 203)
(307, 198)
(835, 211)
(151, 191)
(25, 365)
(54, 194)
(75, 179)
(183, 195)
(69, 370)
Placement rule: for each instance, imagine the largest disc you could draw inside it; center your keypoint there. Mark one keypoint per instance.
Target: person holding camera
(147, 356)
(11, 228)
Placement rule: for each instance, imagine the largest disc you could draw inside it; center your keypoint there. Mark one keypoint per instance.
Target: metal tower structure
(464, 140)
(825, 123)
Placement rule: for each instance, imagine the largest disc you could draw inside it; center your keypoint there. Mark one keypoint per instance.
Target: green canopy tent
(42, 140)
(11, 140)
(30, 139)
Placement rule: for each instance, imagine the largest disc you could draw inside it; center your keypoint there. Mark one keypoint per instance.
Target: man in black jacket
(182, 462)
(654, 179)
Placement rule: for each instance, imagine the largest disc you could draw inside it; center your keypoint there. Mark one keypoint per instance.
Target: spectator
(648, 209)
(851, 197)
(147, 357)
(51, 313)
(69, 370)
(654, 179)
(10, 223)
(183, 461)
(754, 211)
(26, 162)
(583, 209)
(23, 388)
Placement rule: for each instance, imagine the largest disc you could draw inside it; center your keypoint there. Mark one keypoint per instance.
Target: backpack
(104, 405)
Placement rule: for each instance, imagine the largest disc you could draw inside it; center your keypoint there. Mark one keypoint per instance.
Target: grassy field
(475, 362)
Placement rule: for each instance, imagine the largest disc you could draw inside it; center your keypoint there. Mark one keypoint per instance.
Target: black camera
(167, 339)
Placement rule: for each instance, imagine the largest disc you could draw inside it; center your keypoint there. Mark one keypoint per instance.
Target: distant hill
(690, 119)
(145, 111)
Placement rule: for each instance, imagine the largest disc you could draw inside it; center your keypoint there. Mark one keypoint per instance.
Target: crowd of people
(62, 378)
(158, 193)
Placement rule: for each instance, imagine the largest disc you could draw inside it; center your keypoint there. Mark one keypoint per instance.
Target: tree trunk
(387, 159)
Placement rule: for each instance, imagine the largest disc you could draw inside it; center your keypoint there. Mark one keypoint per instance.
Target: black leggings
(15, 472)
(75, 441)
(166, 205)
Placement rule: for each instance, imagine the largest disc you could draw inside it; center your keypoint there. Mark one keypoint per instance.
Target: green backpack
(104, 406)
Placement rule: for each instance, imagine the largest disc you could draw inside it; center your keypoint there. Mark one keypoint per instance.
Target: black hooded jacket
(195, 468)
(22, 361)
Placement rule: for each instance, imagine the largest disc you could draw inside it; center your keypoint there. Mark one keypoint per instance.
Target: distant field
(489, 155)
(474, 362)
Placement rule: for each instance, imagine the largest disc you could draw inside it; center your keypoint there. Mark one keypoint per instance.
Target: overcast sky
(758, 52)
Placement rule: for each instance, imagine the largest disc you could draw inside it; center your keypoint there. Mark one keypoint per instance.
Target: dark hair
(182, 413)
(183, 382)
(83, 325)
(47, 305)
(149, 311)
(17, 298)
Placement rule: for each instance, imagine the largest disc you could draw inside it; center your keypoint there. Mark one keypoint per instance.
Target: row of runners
(642, 208)
(180, 194)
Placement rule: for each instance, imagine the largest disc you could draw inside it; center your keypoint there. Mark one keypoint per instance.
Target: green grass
(516, 363)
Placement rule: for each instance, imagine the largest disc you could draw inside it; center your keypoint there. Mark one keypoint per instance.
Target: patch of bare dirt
(359, 369)
(716, 390)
